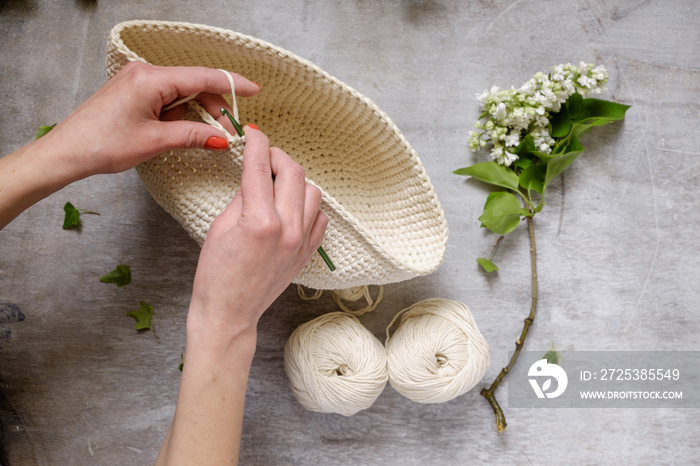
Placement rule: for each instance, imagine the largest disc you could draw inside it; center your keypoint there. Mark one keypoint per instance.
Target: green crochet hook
(239, 130)
(235, 124)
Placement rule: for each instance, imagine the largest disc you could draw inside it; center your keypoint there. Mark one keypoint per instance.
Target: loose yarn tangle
(335, 365)
(349, 294)
(302, 294)
(355, 294)
(437, 353)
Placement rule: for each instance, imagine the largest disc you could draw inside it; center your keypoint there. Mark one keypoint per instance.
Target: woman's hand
(122, 124)
(253, 250)
(258, 245)
(118, 127)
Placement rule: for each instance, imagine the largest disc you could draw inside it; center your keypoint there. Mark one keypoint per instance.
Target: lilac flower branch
(533, 131)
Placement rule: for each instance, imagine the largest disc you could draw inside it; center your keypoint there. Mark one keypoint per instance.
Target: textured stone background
(619, 252)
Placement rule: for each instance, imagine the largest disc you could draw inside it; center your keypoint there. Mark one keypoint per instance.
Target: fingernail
(253, 126)
(259, 86)
(216, 143)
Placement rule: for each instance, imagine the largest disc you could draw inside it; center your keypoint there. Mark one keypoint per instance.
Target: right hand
(257, 245)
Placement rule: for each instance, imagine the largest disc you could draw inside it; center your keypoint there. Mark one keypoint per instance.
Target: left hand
(121, 125)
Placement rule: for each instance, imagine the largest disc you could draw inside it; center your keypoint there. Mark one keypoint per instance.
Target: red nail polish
(253, 126)
(259, 86)
(216, 143)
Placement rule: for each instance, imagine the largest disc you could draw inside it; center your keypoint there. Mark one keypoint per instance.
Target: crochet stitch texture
(386, 222)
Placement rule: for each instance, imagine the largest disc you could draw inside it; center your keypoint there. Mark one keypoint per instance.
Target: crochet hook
(239, 130)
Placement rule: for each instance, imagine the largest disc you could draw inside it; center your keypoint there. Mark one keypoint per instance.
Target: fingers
(256, 182)
(187, 80)
(312, 210)
(289, 189)
(213, 103)
(229, 217)
(174, 114)
(318, 230)
(287, 202)
(182, 134)
(296, 204)
(174, 83)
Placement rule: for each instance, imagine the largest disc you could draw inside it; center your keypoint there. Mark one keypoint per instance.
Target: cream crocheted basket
(386, 223)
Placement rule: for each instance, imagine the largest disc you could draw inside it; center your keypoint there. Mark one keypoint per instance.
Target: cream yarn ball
(335, 365)
(437, 353)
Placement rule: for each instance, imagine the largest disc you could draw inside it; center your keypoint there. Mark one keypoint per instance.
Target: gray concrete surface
(619, 253)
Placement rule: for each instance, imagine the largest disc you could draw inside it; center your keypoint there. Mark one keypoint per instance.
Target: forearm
(206, 428)
(32, 173)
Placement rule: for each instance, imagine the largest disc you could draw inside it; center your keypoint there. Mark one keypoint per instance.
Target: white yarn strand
(335, 365)
(234, 105)
(437, 353)
(355, 294)
(302, 294)
(178, 102)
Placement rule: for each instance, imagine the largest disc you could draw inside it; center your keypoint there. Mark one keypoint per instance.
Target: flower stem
(83, 211)
(493, 251)
(490, 393)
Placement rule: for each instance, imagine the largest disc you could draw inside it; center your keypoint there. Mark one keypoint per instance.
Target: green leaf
(575, 106)
(594, 112)
(570, 144)
(553, 356)
(560, 122)
(487, 265)
(492, 173)
(533, 177)
(121, 276)
(543, 156)
(526, 146)
(502, 212)
(602, 111)
(522, 163)
(143, 316)
(42, 130)
(558, 164)
(581, 129)
(491, 196)
(72, 218)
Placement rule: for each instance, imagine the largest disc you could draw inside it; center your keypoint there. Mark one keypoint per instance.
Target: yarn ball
(437, 353)
(335, 365)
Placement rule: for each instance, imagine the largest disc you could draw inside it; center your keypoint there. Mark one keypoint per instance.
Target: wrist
(219, 337)
(64, 158)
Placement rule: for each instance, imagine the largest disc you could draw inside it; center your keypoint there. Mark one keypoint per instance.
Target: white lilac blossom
(512, 113)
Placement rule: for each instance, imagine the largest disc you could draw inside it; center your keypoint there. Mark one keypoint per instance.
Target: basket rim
(417, 167)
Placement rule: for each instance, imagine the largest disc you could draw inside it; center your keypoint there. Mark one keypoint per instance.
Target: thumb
(189, 135)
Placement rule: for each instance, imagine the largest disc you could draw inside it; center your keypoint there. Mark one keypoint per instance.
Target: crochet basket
(386, 223)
